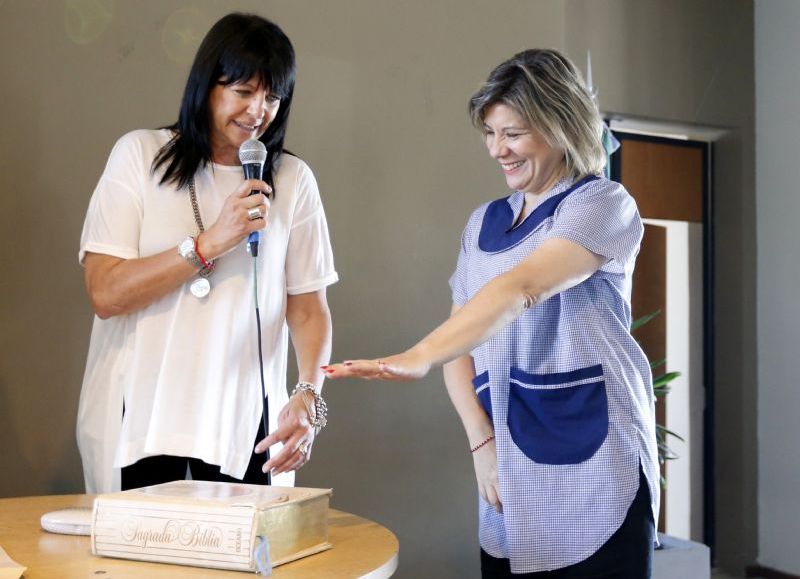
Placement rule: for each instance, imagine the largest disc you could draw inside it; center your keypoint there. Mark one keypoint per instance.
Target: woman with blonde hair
(554, 393)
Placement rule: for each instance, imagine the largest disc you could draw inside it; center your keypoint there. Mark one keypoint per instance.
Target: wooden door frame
(709, 457)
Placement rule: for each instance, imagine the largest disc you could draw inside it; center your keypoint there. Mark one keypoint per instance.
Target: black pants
(163, 468)
(628, 554)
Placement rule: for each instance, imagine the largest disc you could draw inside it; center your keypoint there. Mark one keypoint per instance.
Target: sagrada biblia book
(210, 524)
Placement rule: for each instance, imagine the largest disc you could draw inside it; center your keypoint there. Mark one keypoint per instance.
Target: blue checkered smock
(566, 386)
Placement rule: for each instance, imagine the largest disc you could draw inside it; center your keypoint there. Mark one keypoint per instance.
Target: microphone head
(252, 151)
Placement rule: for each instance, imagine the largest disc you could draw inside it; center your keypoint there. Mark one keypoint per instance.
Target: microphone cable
(265, 415)
(252, 155)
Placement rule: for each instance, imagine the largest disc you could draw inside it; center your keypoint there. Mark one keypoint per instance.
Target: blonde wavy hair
(546, 89)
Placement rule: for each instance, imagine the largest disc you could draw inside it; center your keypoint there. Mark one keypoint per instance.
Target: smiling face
(529, 163)
(238, 112)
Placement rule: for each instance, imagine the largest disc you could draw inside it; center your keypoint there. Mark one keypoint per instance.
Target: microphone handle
(252, 243)
(253, 171)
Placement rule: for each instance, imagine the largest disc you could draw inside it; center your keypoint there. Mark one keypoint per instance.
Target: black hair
(239, 47)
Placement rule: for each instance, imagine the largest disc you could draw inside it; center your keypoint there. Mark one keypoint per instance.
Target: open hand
(400, 368)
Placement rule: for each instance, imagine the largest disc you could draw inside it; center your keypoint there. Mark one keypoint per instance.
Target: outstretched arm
(557, 265)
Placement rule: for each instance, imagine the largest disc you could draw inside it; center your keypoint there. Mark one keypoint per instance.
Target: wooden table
(361, 548)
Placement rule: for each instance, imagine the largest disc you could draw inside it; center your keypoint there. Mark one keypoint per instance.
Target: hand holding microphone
(243, 212)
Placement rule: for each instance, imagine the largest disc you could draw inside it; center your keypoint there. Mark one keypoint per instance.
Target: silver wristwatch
(186, 249)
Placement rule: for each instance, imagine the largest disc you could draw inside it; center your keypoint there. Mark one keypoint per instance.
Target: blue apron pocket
(555, 421)
(481, 384)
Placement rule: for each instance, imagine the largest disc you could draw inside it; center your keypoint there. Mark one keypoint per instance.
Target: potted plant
(661, 387)
(674, 558)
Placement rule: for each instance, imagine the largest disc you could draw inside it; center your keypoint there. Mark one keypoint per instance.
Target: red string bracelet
(207, 265)
(483, 442)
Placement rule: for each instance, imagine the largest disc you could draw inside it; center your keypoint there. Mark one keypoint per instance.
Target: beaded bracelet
(319, 417)
(483, 442)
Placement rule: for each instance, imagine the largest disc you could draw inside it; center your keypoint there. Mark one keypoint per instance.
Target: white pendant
(200, 287)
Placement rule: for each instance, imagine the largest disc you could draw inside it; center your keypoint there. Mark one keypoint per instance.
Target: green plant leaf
(662, 390)
(636, 324)
(665, 431)
(665, 379)
(666, 452)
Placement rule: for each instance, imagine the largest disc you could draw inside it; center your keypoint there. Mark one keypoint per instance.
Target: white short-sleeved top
(187, 368)
(568, 389)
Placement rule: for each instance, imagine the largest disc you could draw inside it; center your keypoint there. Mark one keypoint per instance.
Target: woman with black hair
(172, 377)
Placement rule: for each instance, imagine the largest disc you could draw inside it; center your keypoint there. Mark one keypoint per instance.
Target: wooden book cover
(211, 524)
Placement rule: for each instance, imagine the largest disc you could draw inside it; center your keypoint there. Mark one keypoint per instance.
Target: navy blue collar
(497, 230)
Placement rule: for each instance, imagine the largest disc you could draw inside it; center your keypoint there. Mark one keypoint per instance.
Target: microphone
(252, 156)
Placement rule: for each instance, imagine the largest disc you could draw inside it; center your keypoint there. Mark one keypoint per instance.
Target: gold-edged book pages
(210, 524)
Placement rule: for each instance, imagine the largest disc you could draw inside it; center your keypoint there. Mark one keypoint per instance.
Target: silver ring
(303, 448)
(253, 213)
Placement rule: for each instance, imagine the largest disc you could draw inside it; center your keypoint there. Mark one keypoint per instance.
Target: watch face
(186, 246)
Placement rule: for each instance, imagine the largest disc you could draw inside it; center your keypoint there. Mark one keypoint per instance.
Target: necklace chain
(193, 197)
(204, 273)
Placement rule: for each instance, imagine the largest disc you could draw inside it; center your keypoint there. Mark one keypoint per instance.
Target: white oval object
(74, 521)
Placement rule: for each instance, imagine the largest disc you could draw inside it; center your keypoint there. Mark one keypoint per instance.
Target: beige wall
(380, 116)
